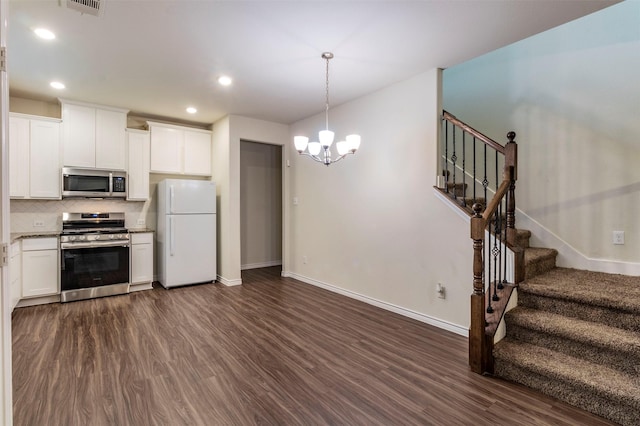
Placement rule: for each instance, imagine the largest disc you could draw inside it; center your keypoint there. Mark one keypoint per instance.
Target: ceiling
(158, 57)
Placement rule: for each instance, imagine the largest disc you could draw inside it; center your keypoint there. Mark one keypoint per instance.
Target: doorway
(260, 205)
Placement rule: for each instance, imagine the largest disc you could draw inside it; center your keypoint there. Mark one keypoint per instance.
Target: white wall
(227, 135)
(260, 205)
(371, 226)
(572, 96)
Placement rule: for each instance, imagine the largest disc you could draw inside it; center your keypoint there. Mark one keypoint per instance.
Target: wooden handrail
(488, 222)
(498, 196)
(486, 139)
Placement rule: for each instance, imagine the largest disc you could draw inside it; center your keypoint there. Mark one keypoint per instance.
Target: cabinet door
(141, 263)
(79, 135)
(15, 274)
(110, 139)
(18, 157)
(39, 273)
(166, 149)
(44, 167)
(197, 153)
(138, 166)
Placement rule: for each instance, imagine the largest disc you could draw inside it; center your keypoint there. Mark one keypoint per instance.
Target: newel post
(478, 360)
(511, 173)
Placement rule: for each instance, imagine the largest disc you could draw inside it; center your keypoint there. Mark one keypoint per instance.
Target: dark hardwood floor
(272, 351)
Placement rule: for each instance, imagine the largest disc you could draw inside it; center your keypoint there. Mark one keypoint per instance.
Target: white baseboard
(445, 325)
(140, 287)
(229, 282)
(569, 256)
(286, 274)
(38, 301)
(261, 265)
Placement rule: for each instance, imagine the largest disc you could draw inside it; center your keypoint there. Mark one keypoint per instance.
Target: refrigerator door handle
(171, 237)
(171, 194)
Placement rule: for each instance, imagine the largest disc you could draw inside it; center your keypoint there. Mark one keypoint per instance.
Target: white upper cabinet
(180, 150)
(93, 136)
(138, 165)
(34, 157)
(166, 149)
(197, 153)
(110, 139)
(44, 165)
(19, 157)
(79, 130)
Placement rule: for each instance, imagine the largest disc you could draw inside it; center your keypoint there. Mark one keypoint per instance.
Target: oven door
(89, 265)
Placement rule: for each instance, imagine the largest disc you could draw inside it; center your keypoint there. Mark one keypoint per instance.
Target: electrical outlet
(440, 290)
(141, 222)
(618, 237)
(38, 223)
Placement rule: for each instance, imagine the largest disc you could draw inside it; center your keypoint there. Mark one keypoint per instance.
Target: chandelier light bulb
(301, 143)
(326, 138)
(353, 141)
(312, 149)
(342, 147)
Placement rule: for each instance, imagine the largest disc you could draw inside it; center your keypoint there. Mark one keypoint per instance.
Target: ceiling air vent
(91, 7)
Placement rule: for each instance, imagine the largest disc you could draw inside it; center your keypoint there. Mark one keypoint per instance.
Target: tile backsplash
(46, 215)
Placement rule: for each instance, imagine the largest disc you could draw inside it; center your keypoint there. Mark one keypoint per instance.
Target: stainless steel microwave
(93, 183)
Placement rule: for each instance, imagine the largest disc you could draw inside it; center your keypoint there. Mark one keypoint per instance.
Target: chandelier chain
(326, 105)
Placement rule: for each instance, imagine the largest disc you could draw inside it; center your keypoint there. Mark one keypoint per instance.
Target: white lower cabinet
(141, 258)
(40, 267)
(15, 273)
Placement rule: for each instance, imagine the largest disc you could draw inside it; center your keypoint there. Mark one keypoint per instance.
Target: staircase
(575, 335)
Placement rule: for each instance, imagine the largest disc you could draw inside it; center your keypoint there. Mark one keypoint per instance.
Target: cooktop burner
(93, 223)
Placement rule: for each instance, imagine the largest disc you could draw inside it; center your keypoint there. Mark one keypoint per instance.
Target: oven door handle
(93, 244)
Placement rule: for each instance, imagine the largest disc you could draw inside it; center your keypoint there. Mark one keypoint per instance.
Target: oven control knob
(111, 236)
(81, 238)
(97, 237)
(72, 238)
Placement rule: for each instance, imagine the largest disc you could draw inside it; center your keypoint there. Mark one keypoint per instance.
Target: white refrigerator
(186, 232)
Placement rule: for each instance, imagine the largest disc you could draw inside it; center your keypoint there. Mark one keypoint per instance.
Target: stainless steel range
(94, 256)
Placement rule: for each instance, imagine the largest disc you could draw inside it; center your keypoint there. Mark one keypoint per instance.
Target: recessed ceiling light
(225, 80)
(44, 33)
(192, 110)
(57, 85)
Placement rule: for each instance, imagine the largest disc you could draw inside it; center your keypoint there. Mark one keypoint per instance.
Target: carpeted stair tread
(534, 254)
(583, 374)
(612, 291)
(539, 260)
(600, 335)
(604, 344)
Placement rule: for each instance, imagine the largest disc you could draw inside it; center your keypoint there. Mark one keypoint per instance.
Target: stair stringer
(569, 256)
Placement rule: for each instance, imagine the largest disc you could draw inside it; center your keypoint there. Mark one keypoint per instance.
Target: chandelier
(313, 149)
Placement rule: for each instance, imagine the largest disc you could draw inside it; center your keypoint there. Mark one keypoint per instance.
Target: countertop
(15, 236)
